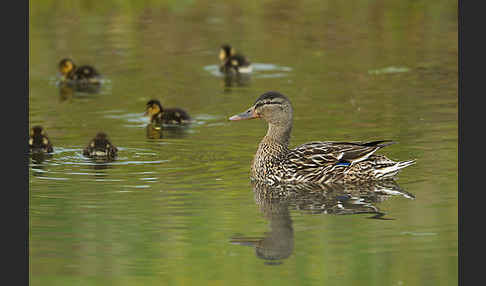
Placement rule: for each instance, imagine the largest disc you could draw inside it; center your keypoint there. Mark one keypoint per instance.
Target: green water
(181, 210)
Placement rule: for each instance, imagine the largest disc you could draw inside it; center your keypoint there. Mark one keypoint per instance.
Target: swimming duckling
(82, 75)
(100, 148)
(38, 141)
(232, 62)
(159, 116)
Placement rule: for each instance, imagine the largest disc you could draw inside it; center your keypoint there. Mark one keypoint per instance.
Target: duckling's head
(153, 108)
(37, 131)
(225, 52)
(272, 106)
(66, 66)
(100, 142)
(38, 139)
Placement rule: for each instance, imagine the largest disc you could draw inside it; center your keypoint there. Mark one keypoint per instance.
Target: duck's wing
(328, 153)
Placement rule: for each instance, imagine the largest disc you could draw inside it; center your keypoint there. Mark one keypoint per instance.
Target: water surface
(181, 209)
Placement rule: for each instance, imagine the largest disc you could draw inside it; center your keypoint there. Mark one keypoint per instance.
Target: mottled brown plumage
(320, 162)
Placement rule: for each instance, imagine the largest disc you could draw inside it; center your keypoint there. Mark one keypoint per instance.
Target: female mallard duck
(38, 141)
(232, 62)
(82, 75)
(100, 148)
(159, 116)
(319, 162)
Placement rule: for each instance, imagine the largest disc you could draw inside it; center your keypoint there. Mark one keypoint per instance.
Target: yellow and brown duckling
(318, 162)
(84, 74)
(159, 115)
(38, 141)
(233, 62)
(100, 148)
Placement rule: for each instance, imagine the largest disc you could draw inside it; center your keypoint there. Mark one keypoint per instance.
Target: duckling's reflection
(235, 79)
(68, 90)
(100, 166)
(154, 132)
(37, 159)
(167, 131)
(274, 202)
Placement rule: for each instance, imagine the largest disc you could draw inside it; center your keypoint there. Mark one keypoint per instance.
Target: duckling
(232, 62)
(38, 141)
(100, 148)
(82, 75)
(159, 116)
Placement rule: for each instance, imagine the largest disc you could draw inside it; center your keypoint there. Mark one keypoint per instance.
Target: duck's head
(225, 52)
(66, 66)
(272, 106)
(38, 140)
(153, 108)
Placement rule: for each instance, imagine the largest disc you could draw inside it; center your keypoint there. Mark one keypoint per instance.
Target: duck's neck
(272, 148)
(278, 134)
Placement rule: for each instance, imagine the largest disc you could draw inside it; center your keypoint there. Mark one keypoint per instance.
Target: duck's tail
(390, 171)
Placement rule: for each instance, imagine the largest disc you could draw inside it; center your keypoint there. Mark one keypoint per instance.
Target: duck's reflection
(278, 243)
(274, 202)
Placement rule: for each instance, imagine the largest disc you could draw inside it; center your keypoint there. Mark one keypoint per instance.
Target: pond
(181, 209)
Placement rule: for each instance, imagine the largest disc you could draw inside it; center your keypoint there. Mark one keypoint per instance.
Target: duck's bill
(249, 114)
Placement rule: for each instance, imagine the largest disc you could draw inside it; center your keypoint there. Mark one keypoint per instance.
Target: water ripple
(260, 70)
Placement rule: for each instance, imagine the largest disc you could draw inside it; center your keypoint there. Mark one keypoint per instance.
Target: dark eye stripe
(266, 103)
